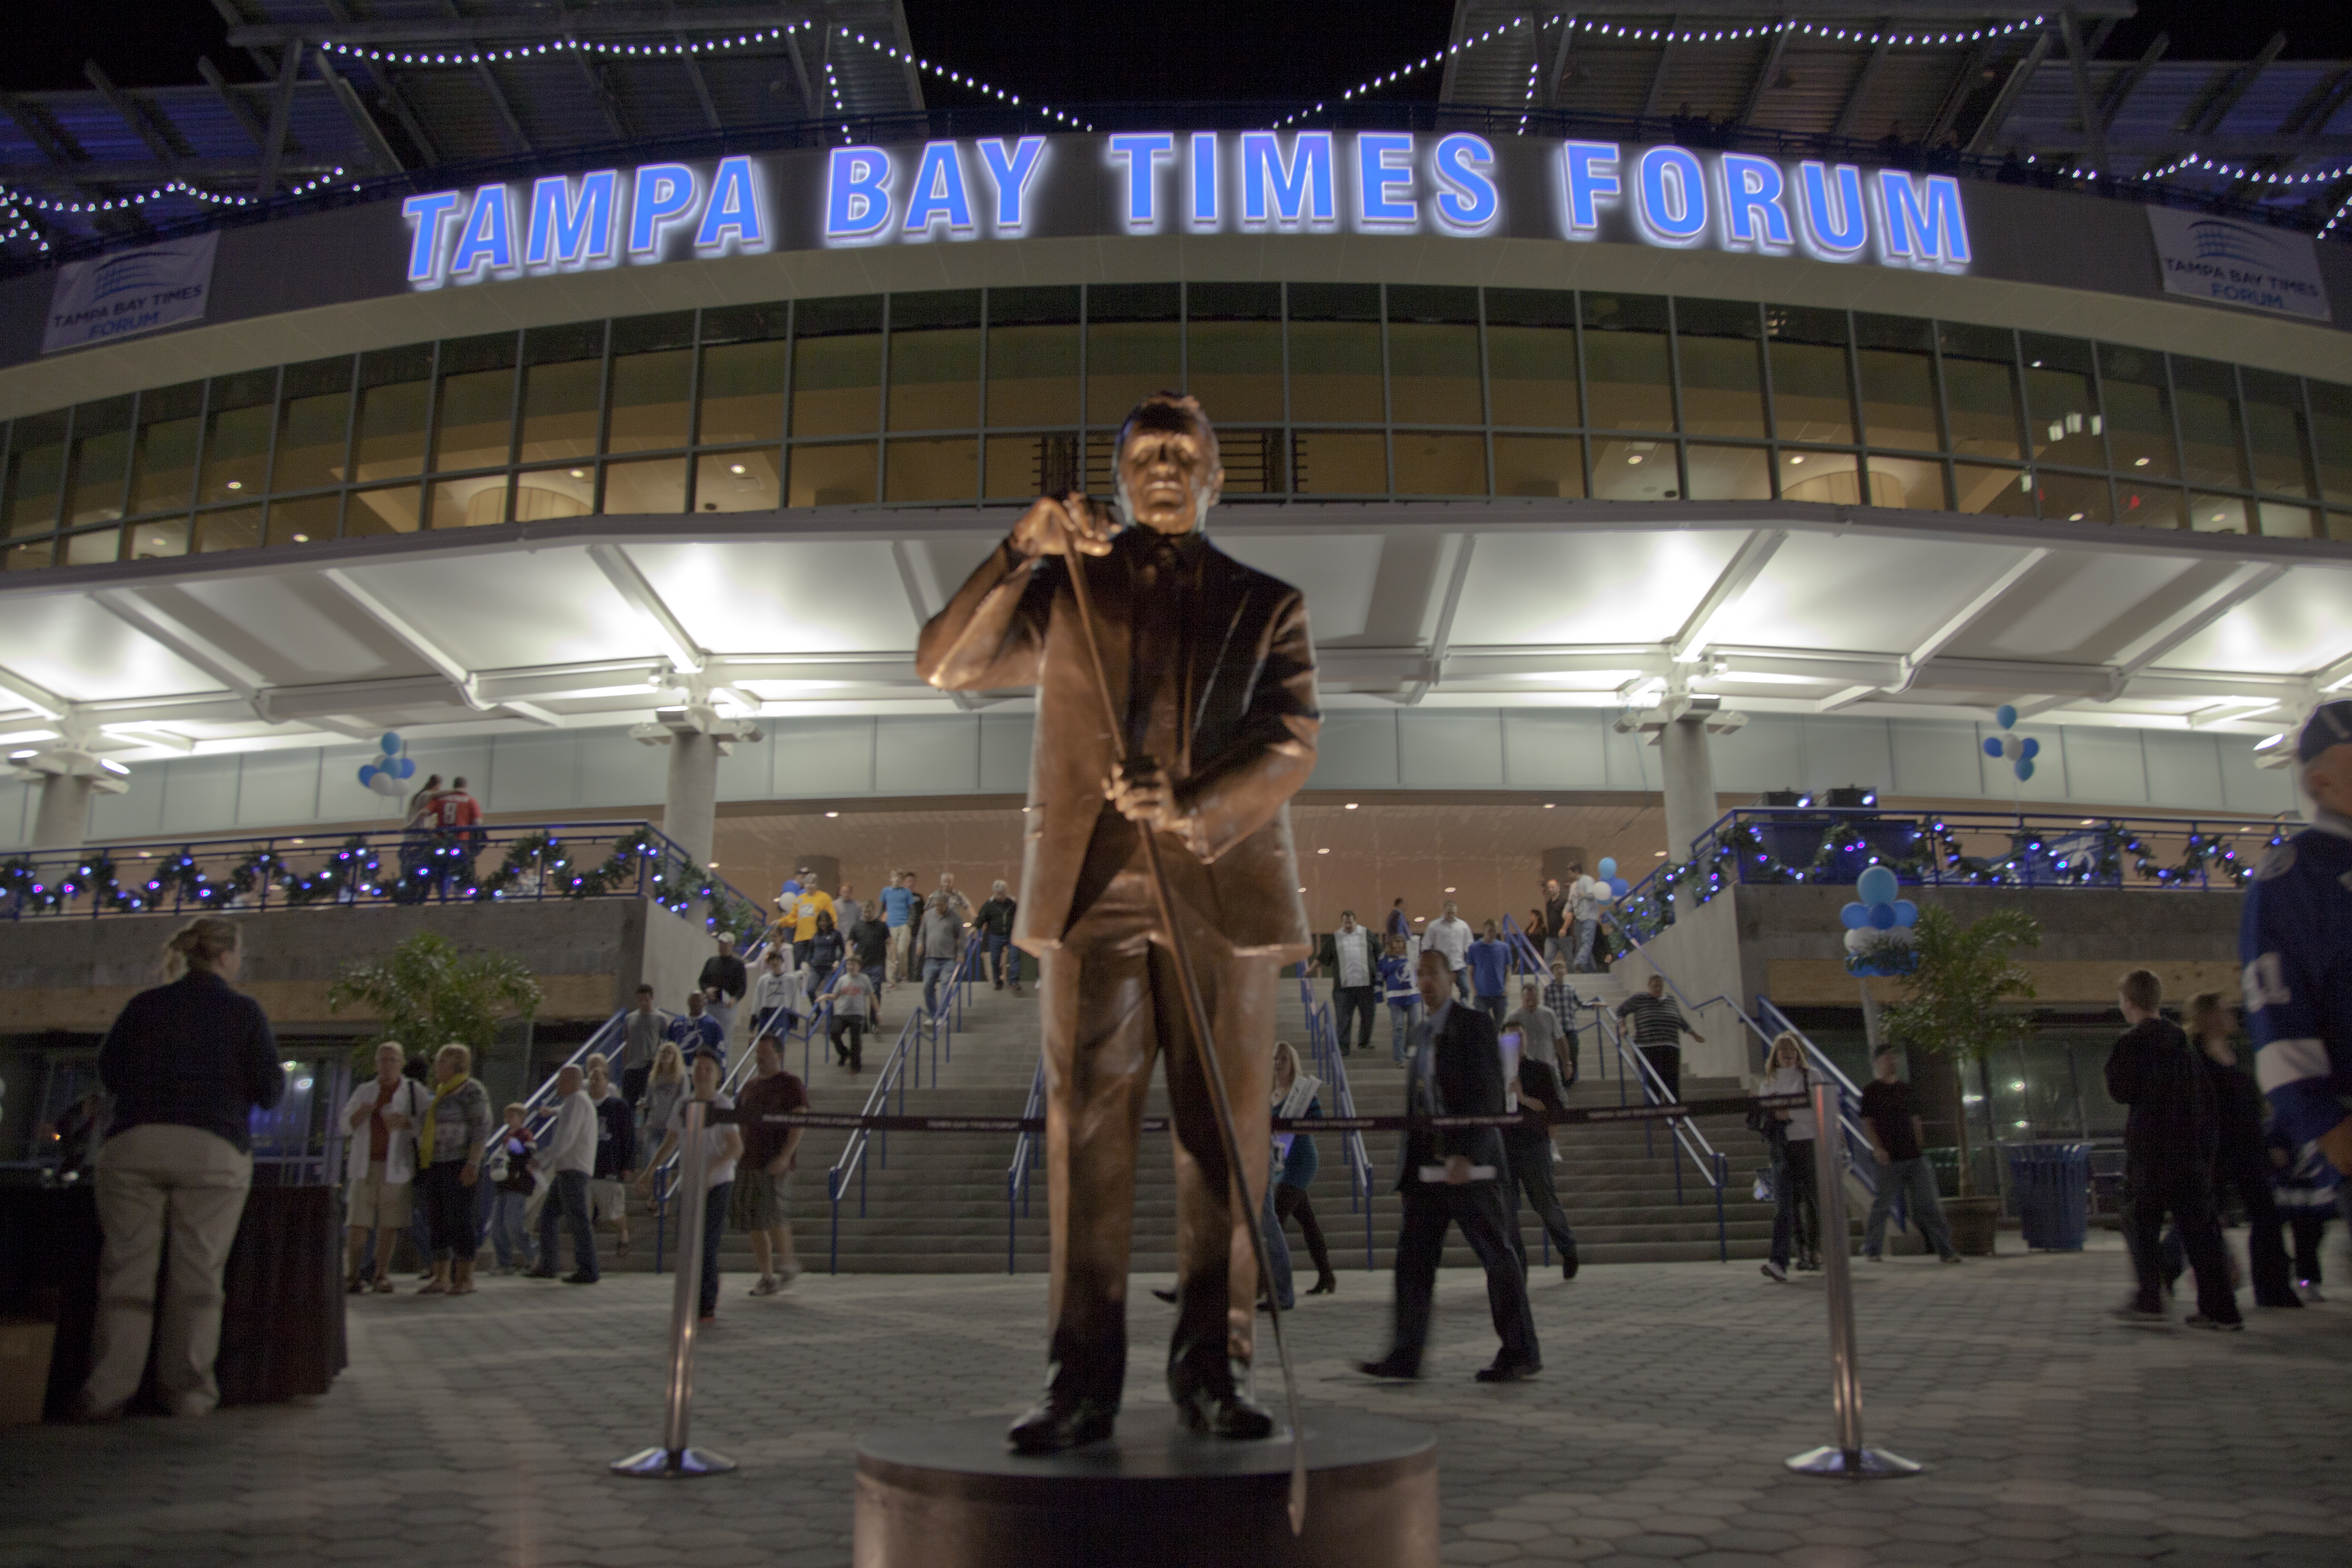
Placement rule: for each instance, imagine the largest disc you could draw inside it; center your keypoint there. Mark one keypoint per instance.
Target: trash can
(2051, 1185)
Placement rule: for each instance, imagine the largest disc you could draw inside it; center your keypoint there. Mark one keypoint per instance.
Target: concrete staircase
(935, 1202)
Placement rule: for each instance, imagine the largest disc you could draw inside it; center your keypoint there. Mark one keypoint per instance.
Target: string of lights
(1423, 64)
(164, 191)
(959, 79)
(2205, 165)
(2329, 227)
(1812, 29)
(558, 47)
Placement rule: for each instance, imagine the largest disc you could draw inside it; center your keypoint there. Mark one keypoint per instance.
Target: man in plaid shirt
(1560, 996)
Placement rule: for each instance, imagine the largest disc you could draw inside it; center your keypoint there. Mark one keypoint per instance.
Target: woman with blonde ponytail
(187, 1063)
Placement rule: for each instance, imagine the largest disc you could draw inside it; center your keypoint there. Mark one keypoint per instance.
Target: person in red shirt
(457, 818)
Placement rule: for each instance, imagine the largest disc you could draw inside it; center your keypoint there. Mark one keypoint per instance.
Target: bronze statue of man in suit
(1212, 671)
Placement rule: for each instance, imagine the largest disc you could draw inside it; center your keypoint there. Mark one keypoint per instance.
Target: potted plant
(425, 994)
(1951, 1011)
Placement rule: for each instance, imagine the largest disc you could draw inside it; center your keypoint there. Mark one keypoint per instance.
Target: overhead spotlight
(833, 814)
(2272, 751)
(1351, 805)
(1324, 851)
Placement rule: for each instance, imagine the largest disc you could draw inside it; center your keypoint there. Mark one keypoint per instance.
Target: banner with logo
(129, 293)
(2231, 263)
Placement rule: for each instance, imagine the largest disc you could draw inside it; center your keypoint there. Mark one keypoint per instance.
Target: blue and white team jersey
(2295, 942)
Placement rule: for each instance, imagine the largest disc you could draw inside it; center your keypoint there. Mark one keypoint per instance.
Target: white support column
(690, 806)
(62, 819)
(1689, 782)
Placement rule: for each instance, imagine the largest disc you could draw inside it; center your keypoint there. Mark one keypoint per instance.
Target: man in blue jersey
(2295, 942)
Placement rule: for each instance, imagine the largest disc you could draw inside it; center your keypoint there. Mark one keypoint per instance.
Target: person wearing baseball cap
(2294, 940)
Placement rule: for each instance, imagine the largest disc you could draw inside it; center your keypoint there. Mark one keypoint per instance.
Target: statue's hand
(1052, 527)
(1141, 792)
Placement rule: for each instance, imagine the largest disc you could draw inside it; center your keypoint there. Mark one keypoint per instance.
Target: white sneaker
(1775, 1272)
(790, 1272)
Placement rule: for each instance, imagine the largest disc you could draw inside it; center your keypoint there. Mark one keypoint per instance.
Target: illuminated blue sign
(1293, 182)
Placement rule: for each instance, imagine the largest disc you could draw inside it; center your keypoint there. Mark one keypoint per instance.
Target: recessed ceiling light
(2073, 517)
(735, 468)
(1632, 457)
(1449, 889)
(301, 539)
(1323, 851)
(2139, 462)
(1351, 805)
(578, 473)
(1657, 854)
(1798, 458)
(833, 814)
(1550, 804)
(295, 841)
(236, 484)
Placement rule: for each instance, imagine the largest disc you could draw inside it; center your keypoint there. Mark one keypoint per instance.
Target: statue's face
(1169, 468)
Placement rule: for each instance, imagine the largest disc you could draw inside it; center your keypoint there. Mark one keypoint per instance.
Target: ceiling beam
(1957, 96)
(1658, 77)
(2224, 95)
(701, 88)
(533, 26)
(39, 698)
(183, 641)
(132, 114)
(379, 144)
(388, 91)
(102, 177)
(1765, 73)
(1558, 73)
(1736, 577)
(239, 110)
(56, 142)
(281, 115)
(1968, 615)
(2078, 67)
(508, 121)
(409, 635)
(2006, 99)
(689, 655)
(2144, 651)
(2126, 81)
(1442, 637)
(1863, 79)
(810, 107)
(606, 99)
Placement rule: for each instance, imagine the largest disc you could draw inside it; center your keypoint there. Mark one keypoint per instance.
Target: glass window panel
(1434, 373)
(1546, 466)
(2217, 514)
(2210, 449)
(2074, 497)
(1253, 461)
(158, 541)
(2281, 521)
(1980, 390)
(1723, 377)
(1438, 463)
(652, 397)
(935, 361)
(1626, 374)
(541, 493)
(1917, 483)
(837, 366)
(1098, 479)
(562, 381)
(1232, 359)
(470, 504)
(1812, 398)
(2140, 413)
(1895, 363)
(747, 323)
(934, 470)
(394, 385)
(2276, 429)
(832, 475)
(1335, 370)
(101, 455)
(2331, 419)
(36, 469)
(1728, 473)
(1022, 467)
(2003, 493)
(743, 391)
(1635, 470)
(474, 417)
(738, 481)
(2145, 505)
(240, 528)
(658, 486)
(1340, 462)
(1531, 358)
(91, 547)
(27, 557)
(163, 449)
(310, 520)
(236, 436)
(392, 509)
(314, 415)
(1127, 361)
(2339, 525)
(1033, 356)
(1829, 477)
(2062, 417)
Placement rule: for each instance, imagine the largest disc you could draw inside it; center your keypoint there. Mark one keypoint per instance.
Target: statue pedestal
(950, 1494)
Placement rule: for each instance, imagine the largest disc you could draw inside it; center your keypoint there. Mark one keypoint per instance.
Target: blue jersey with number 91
(2295, 942)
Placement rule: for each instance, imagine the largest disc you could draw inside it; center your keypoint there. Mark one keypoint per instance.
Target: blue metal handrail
(1026, 1157)
(1525, 957)
(1323, 1045)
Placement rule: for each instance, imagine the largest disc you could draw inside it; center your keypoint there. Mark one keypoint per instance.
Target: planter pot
(1972, 1221)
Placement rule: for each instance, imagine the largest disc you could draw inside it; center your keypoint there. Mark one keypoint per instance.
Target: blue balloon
(1882, 917)
(2005, 715)
(1618, 887)
(2024, 771)
(1992, 747)
(1856, 916)
(1907, 913)
(2032, 748)
(367, 774)
(405, 768)
(1608, 867)
(1877, 885)
(389, 744)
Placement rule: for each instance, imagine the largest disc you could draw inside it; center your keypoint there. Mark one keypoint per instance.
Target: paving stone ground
(477, 1430)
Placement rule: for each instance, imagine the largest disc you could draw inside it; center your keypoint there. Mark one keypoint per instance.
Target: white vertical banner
(129, 293)
(2233, 263)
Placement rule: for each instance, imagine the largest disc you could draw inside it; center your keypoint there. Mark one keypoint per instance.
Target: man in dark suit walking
(1213, 676)
(1452, 1177)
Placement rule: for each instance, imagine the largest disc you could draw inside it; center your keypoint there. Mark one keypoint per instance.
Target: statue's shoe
(1226, 1412)
(1061, 1422)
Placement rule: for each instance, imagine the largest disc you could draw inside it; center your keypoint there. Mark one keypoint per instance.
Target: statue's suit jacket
(1245, 739)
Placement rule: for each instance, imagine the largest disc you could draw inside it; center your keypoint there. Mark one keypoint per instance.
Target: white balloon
(2011, 747)
(1856, 940)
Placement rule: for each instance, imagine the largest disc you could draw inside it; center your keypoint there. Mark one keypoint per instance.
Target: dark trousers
(714, 1230)
(2249, 1179)
(1528, 1151)
(854, 1025)
(1666, 1061)
(1796, 1198)
(1496, 1008)
(2183, 1189)
(569, 1202)
(448, 1210)
(1111, 1002)
(1362, 1001)
(995, 948)
(1290, 1201)
(1477, 1208)
(2308, 1226)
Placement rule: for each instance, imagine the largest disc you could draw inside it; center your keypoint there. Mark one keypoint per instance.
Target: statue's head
(1169, 476)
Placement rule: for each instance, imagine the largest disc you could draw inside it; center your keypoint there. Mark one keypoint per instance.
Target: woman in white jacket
(381, 1119)
(1796, 1211)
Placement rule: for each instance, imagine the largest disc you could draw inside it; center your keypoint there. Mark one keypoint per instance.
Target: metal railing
(534, 863)
(1027, 1155)
(1860, 1163)
(1323, 1047)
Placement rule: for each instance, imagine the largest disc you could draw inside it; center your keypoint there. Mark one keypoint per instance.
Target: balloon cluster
(1618, 886)
(1878, 932)
(385, 776)
(2019, 750)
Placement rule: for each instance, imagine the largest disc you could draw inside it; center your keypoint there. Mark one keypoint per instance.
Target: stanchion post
(1849, 1457)
(672, 1456)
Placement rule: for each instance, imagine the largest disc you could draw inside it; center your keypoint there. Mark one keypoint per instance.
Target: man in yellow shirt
(807, 904)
